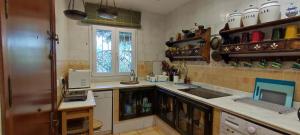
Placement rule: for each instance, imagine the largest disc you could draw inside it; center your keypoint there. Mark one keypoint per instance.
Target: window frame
(115, 50)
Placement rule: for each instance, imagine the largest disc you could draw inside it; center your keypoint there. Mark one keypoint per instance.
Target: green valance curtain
(126, 18)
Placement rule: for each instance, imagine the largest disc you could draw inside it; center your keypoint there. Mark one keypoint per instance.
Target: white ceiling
(155, 6)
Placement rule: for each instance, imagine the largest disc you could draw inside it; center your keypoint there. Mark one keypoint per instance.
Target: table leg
(91, 127)
(64, 123)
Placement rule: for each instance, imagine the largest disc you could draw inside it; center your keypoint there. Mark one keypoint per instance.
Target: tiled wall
(240, 78)
(211, 13)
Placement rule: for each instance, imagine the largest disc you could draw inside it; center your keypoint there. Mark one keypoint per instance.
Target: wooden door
(30, 74)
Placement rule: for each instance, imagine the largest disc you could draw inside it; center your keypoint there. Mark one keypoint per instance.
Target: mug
(291, 31)
(175, 79)
(257, 36)
(245, 37)
(277, 33)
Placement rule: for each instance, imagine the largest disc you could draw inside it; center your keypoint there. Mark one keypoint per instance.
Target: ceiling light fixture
(107, 12)
(75, 14)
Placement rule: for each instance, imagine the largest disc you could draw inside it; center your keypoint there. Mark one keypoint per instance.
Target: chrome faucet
(132, 76)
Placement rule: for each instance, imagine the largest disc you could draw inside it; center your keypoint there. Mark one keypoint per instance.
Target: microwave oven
(79, 79)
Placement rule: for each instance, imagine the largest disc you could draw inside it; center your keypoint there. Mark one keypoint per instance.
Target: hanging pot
(216, 56)
(215, 43)
(269, 11)
(250, 16)
(74, 14)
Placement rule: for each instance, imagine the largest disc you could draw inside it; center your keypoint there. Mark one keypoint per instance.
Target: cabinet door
(201, 120)
(103, 109)
(183, 121)
(31, 60)
(166, 107)
(128, 103)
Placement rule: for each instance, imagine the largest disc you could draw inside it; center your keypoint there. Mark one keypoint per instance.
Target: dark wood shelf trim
(186, 40)
(266, 54)
(262, 25)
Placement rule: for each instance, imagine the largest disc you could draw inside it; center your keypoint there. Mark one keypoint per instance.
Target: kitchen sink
(130, 83)
(204, 93)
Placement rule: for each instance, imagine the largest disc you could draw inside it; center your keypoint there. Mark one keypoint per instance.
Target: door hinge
(53, 122)
(10, 100)
(6, 8)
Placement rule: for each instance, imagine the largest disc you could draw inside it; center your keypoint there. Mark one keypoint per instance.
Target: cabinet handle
(9, 93)
(6, 8)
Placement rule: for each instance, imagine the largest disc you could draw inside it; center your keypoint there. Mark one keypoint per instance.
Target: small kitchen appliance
(79, 79)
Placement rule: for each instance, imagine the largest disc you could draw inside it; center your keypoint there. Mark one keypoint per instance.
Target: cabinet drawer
(102, 94)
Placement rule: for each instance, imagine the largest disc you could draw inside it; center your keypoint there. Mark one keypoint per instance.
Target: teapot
(292, 10)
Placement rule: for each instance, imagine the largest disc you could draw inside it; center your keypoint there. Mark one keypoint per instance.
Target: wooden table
(75, 110)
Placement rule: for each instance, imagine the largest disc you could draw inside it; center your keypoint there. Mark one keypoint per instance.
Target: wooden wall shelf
(187, 40)
(270, 50)
(280, 49)
(262, 25)
(198, 48)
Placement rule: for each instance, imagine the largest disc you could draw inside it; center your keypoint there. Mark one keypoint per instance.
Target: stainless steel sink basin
(204, 93)
(130, 82)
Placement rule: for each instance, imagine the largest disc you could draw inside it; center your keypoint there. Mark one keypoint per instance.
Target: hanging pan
(74, 14)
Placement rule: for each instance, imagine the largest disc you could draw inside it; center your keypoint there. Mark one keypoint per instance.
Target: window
(113, 51)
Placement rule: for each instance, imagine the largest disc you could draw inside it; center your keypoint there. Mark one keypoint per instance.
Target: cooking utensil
(291, 31)
(263, 63)
(248, 64)
(276, 64)
(234, 20)
(296, 65)
(216, 56)
(269, 11)
(277, 34)
(250, 16)
(257, 36)
(74, 14)
(215, 43)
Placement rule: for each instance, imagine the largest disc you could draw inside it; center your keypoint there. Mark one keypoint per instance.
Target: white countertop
(284, 122)
(90, 102)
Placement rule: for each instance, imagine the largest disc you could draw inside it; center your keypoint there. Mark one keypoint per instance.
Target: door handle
(53, 37)
(9, 92)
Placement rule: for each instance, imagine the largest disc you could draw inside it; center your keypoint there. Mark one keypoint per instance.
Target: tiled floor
(147, 131)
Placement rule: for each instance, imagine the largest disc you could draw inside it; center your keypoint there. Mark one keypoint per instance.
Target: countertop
(288, 123)
(90, 102)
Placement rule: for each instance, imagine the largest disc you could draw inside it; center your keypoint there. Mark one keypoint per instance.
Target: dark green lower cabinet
(188, 117)
(166, 107)
(136, 102)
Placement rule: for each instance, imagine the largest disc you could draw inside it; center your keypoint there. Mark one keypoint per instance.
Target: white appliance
(79, 79)
(103, 110)
(232, 125)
